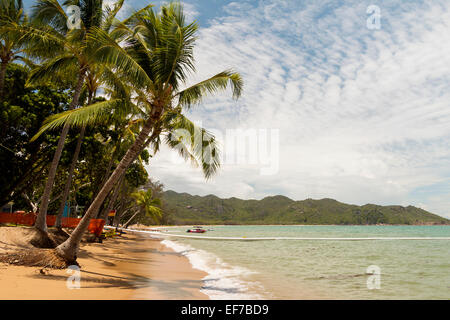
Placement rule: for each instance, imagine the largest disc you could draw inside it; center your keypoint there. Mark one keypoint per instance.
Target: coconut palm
(125, 141)
(95, 77)
(154, 52)
(11, 45)
(70, 54)
(146, 205)
(68, 184)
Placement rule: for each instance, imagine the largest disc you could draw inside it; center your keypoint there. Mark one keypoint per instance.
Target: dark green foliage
(136, 175)
(21, 115)
(187, 209)
(24, 164)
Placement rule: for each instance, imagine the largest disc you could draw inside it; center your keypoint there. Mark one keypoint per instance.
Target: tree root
(42, 240)
(45, 258)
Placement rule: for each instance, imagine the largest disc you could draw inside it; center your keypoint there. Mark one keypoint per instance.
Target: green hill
(188, 209)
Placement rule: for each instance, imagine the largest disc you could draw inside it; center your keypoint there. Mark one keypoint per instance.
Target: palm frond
(174, 54)
(95, 113)
(195, 94)
(51, 13)
(153, 212)
(110, 15)
(115, 83)
(111, 53)
(12, 10)
(51, 68)
(28, 62)
(194, 144)
(38, 39)
(148, 204)
(136, 14)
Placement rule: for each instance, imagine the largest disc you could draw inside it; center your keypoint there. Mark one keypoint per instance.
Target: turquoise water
(317, 269)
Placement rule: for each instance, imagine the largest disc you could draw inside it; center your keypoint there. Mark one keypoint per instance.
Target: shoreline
(126, 267)
(287, 225)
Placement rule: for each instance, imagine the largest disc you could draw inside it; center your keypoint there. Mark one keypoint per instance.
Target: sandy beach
(127, 267)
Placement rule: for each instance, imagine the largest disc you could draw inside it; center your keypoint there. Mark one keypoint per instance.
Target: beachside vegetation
(141, 66)
(12, 46)
(83, 111)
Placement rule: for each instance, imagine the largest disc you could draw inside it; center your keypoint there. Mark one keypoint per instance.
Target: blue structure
(66, 210)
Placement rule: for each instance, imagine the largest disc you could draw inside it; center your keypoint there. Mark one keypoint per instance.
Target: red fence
(28, 219)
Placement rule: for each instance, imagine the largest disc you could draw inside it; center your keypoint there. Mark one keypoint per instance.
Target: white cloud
(364, 115)
(190, 11)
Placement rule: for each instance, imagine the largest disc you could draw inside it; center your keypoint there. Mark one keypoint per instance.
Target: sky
(348, 104)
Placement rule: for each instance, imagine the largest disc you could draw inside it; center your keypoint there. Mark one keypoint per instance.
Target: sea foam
(223, 282)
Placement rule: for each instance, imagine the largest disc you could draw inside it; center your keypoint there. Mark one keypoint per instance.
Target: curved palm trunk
(129, 220)
(68, 249)
(66, 192)
(120, 211)
(113, 199)
(117, 218)
(99, 214)
(41, 223)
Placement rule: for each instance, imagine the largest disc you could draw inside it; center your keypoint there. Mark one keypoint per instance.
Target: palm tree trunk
(2, 77)
(121, 209)
(69, 248)
(113, 199)
(41, 223)
(99, 214)
(117, 218)
(58, 222)
(129, 220)
(66, 192)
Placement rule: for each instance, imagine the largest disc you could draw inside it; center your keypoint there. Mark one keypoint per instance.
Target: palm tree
(11, 46)
(95, 77)
(94, 80)
(154, 52)
(70, 53)
(112, 200)
(147, 205)
(68, 184)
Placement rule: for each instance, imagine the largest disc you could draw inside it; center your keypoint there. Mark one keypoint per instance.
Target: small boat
(196, 230)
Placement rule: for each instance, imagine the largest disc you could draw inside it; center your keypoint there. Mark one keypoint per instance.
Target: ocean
(320, 269)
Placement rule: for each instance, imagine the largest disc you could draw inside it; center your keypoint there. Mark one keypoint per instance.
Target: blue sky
(363, 114)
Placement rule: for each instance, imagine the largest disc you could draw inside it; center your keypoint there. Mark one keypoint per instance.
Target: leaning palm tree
(11, 45)
(95, 77)
(94, 80)
(70, 54)
(125, 139)
(154, 52)
(147, 205)
(68, 184)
